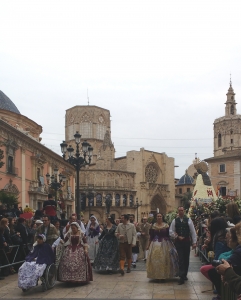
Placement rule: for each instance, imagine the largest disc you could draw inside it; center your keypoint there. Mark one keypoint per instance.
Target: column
(121, 200)
(23, 179)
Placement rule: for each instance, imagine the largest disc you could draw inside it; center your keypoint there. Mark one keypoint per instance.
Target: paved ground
(132, 286)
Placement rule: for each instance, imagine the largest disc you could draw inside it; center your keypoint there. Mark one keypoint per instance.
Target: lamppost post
(78, 162)
(137, 205)
(108, 205)
(54, 184)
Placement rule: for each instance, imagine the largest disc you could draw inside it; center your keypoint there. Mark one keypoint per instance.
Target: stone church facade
(225, 166)
(143, 177)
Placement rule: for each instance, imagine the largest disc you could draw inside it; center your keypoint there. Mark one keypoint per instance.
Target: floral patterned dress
(74, 265)
(34, 266)
(162, 261)
(108, 253)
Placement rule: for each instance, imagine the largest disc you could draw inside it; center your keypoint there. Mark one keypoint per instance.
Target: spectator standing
(73, 218)
(233, 212)
(21, 228)
(48, 230)
(50, 207)
(4, 223)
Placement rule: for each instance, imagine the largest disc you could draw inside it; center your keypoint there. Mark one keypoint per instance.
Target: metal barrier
(13, 262)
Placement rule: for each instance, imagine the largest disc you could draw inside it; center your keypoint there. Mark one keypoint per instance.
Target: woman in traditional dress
(162, 261)
(92, 234)
(35, 264)
(74, 265)
(107, 257)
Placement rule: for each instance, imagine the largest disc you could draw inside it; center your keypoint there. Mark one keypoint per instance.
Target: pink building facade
(27, 161)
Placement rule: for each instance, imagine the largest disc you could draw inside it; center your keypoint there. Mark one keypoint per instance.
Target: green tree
(8, 199)
(186, 199)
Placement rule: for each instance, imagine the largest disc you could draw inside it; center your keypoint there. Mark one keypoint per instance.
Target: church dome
(185, 179)
(7, 104)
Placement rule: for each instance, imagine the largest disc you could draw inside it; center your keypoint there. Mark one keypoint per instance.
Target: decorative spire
(230, 90)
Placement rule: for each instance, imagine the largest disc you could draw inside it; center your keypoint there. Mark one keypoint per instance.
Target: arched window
(219, 140)
(100, 132)
(124, 200)
(108, 199)
(117, 200)
(131, 201)
(83, 201)
(86, 130)
(232, 110)
(98, 200)
(231, 131)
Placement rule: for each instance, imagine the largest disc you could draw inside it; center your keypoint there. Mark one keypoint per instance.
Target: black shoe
(128, 270)
(122, 272)
(1, 278)
(185, 278)
(133, 265)
(180, 281)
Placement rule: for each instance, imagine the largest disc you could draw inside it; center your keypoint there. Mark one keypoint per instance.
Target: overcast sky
(161, 68)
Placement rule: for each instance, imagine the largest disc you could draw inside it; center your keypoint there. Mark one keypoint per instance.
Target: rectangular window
(188, 189)
(231, 141)
(39, 205)
(222, 168)
(10, 164)
(222, 191)
(180, 190)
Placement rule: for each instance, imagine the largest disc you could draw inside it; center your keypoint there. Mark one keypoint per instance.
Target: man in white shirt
(183, 231)
(71, 220)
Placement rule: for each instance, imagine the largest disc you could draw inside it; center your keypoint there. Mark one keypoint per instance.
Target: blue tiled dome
(185, 179)
(7, 104)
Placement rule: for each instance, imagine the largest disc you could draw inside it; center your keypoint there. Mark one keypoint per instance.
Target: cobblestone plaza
(131, 286)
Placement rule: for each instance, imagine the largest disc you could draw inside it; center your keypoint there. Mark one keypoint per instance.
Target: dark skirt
(107, 257)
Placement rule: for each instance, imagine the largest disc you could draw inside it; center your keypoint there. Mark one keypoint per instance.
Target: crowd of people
(79, 247)
(76, 247)
(219, 236)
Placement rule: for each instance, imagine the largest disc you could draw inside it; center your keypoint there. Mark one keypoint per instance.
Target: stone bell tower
(227, 129)
(94, 125)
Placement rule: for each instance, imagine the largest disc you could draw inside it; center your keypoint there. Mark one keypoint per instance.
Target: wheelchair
(48, 279)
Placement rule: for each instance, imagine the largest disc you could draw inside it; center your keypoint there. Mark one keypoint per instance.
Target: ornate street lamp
(137, 205)
(90, 194)
(53, 182)
(78, 160)
(108, 202)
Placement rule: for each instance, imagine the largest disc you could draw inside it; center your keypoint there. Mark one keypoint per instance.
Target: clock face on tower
(101, 119)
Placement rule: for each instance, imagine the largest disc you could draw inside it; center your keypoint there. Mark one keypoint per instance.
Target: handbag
(16, 239)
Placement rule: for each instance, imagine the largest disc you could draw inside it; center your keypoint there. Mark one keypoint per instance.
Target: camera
(216, 262)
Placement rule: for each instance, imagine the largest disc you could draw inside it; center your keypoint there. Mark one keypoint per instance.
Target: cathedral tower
(227, 129)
